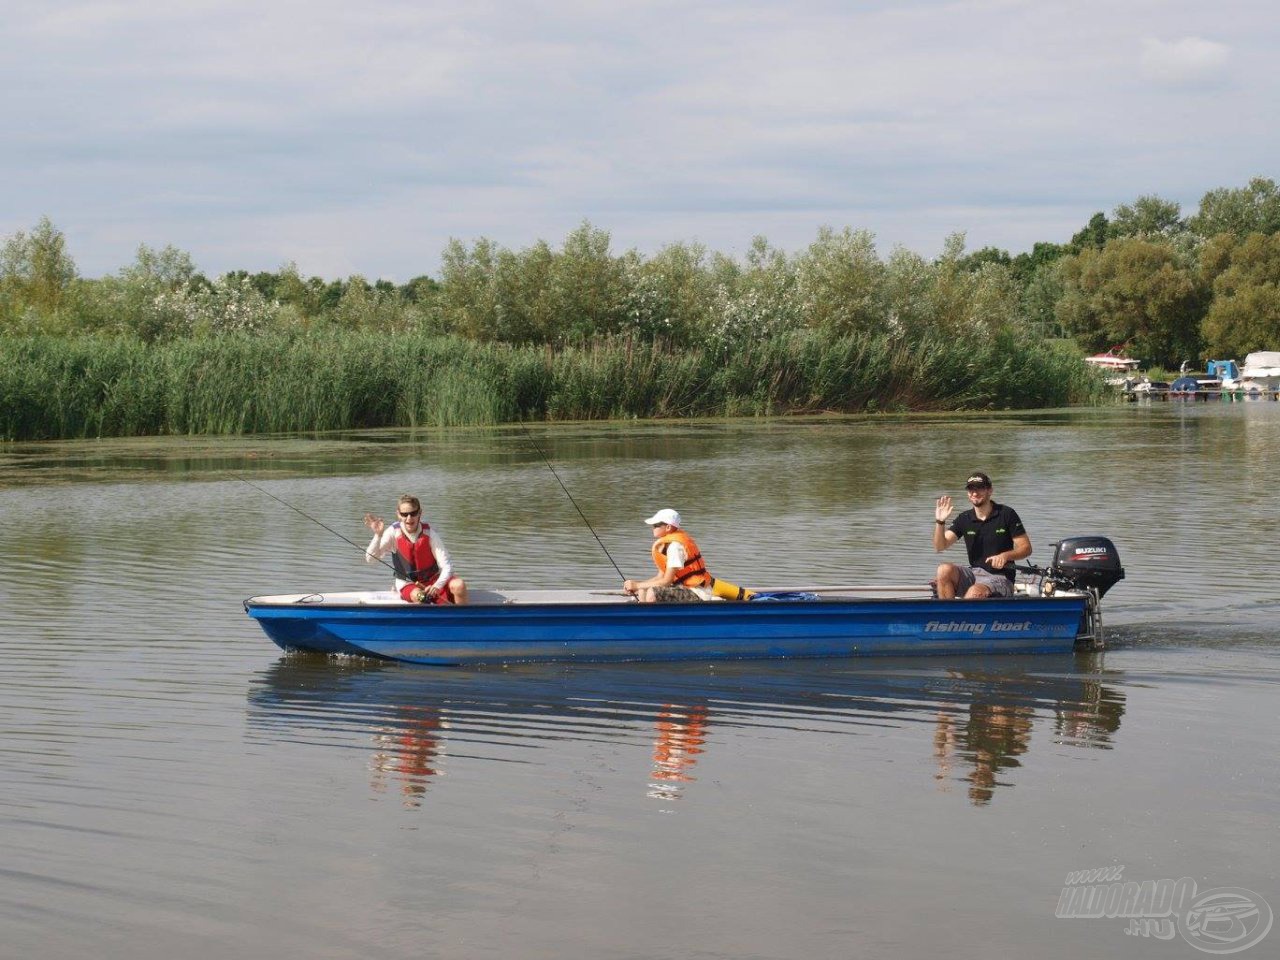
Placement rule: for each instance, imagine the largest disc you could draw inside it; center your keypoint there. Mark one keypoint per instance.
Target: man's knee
(978, 591)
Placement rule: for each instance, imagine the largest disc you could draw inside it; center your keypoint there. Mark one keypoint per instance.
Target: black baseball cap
(976, 480)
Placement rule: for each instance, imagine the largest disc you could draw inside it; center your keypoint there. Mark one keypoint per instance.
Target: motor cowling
(1087, 563)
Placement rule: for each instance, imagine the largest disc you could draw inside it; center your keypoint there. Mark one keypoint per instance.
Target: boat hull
(531, 632)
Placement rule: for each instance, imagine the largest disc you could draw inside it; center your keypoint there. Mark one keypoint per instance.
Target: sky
(360, 138)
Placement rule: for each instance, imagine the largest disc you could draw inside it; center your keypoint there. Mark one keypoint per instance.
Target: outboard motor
(1086, 563)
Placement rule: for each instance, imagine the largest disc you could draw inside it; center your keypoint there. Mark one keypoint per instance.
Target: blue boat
(567, 625)
(1054, 609)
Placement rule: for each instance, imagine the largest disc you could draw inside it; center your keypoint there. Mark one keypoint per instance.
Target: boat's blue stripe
(676, 631)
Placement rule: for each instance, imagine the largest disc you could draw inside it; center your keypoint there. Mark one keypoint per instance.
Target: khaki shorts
(997, 583)
(675, 594)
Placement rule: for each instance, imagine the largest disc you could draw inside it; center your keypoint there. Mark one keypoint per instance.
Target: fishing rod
(529, 435)
(313, 520)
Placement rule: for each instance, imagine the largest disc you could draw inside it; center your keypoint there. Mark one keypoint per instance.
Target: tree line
(1167, 286)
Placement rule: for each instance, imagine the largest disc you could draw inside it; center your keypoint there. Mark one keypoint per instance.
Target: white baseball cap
(666, 515)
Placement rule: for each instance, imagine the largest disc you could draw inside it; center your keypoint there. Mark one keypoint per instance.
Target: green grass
(62, 388)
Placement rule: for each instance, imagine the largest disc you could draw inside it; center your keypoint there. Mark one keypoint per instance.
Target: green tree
(1040, 301)
(588, 287)
(839, 281)
(963, 301)
(419, 290)
(1148, 216)
(368, 306)
(754, 300)
(538, 295)
(325, 295)
(266, 283)
(36, 275)
(294, 292)
(671, 295)
(975, 261)
(1027, 265)
(468, 302)
(1253, 209)
(909, 297)
(1094, 234)
(1245, 313)
(1137, 292)
(145, 298)
(166, 269)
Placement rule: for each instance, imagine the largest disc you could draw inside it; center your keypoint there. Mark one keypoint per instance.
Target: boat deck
(489, 598)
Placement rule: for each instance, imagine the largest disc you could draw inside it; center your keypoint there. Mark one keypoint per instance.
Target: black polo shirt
(986, 538)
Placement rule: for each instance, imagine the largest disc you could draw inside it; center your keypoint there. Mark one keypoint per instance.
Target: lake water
(172, 785)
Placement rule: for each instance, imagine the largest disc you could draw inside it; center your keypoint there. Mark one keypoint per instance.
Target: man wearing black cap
(994, 536)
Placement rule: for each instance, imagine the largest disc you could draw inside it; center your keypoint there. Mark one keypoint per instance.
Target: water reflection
(974, 722)
(409, 753)
(991, 740)
(977, 742)
(681, 732)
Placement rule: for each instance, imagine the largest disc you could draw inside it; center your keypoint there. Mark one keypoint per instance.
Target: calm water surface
(172, 785)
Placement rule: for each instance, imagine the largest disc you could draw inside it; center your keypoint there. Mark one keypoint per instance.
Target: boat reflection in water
(976, 718)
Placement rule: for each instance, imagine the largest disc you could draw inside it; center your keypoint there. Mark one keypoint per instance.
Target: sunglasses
(409, 513)
(976, 487)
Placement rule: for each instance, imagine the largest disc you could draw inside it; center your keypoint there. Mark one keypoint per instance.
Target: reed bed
(64, 388)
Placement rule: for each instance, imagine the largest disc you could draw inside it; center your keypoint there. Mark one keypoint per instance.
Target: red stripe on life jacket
(414, 560)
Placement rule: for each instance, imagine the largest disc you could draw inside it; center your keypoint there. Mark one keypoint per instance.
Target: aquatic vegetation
(94, 386)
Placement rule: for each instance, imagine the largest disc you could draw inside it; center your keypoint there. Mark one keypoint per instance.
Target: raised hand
(943, 509)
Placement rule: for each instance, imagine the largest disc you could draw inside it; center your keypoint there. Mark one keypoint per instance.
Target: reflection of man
(410, 752)
(994, 737)
(997, 734)
(681, 733)
(993, 536)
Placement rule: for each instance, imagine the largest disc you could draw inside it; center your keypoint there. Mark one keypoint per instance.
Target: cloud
(254, 132)
(1190, 60)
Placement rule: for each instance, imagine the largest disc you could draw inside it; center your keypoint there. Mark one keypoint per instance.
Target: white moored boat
(1259, 374)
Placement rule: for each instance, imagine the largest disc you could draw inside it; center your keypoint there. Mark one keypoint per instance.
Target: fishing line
(571, 500)
(312, 519)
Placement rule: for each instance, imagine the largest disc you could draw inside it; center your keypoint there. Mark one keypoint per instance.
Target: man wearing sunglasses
(424, 573)
(682, 575)
(994, 537)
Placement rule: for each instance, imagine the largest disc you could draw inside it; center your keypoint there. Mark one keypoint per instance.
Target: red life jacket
(414, 560)
(694, 572)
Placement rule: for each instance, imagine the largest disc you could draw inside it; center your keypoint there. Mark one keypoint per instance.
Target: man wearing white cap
(682, 575)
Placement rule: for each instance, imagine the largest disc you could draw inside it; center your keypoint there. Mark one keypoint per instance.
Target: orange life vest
(694, 572)
(414, 560)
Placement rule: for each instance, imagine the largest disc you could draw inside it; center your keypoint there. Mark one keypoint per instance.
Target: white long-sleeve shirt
(382, 545)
